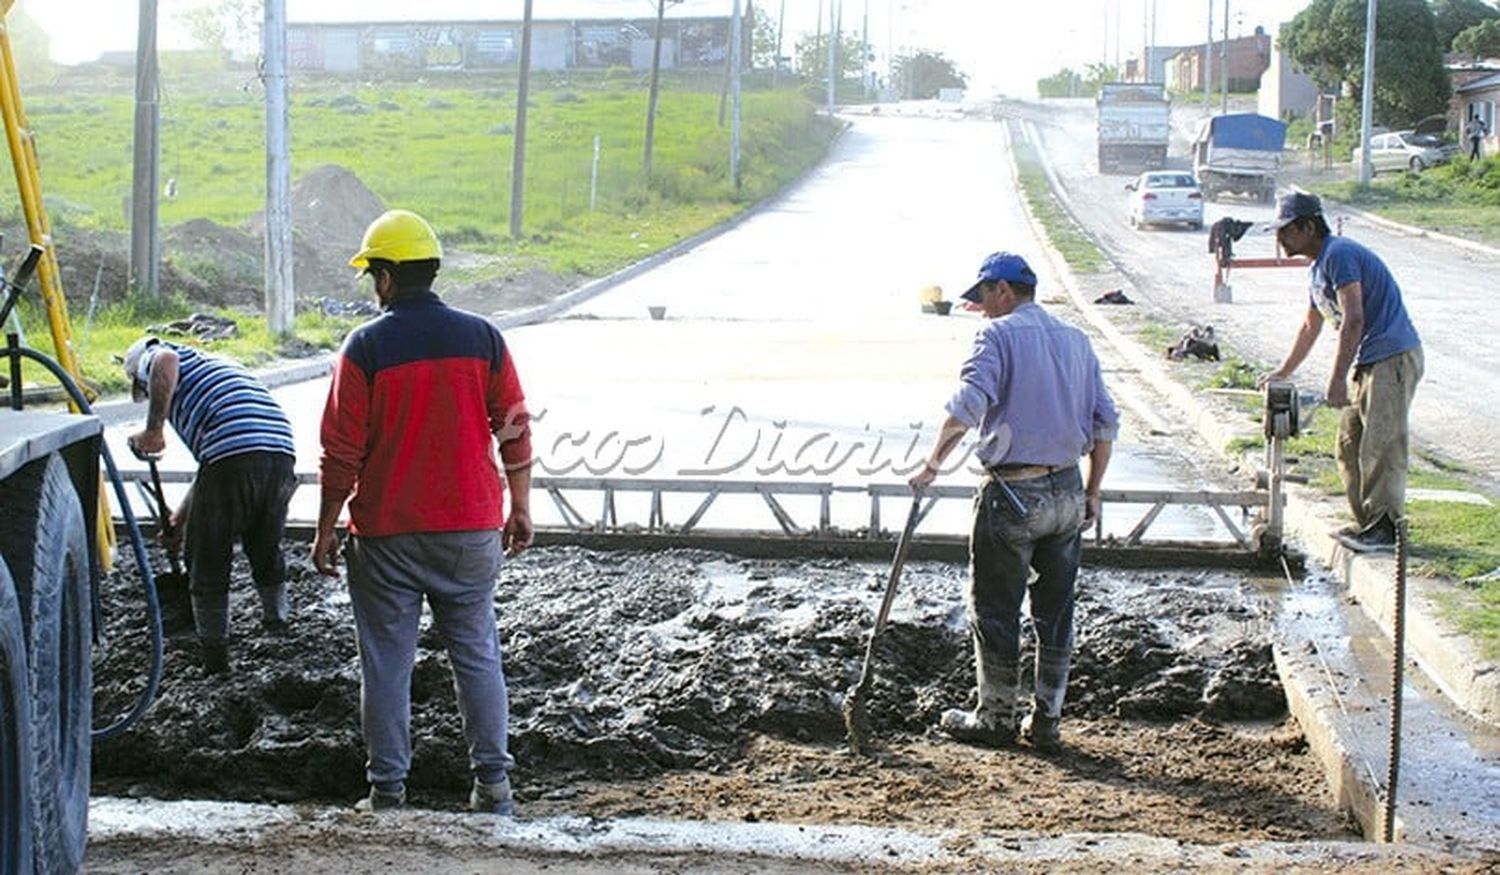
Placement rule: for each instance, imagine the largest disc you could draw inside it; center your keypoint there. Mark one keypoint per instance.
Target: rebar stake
(1398, 667)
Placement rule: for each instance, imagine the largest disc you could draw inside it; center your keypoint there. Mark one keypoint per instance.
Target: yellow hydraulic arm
(29, 184)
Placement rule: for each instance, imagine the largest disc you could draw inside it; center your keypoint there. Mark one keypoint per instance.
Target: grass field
(444, 148)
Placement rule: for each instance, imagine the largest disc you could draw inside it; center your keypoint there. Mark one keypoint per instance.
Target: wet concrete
(630, 665)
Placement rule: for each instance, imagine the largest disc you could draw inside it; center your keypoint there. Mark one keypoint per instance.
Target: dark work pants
(241, 497)
(1004, 548)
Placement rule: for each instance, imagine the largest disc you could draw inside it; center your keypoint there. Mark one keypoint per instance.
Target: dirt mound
(630, 666)
(330, 210)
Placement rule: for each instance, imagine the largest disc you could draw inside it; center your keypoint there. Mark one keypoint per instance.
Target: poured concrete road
(793, 347)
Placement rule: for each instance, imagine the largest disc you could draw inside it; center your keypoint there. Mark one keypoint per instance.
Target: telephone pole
(280, 288)
(145, 250)
(518, 154)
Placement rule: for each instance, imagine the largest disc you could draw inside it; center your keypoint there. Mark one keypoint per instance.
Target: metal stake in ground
(856, 720)
(1398, 672)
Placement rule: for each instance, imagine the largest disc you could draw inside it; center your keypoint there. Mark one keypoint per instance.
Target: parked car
(1159, 197)
(1407, 150)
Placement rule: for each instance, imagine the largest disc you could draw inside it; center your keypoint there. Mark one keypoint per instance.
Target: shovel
(171, 588)
(856, 720)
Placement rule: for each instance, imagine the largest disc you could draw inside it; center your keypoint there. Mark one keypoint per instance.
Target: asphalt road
(1447, 290)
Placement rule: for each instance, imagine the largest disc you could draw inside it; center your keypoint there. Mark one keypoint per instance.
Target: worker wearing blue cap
(1376, 366)
(1032, 389)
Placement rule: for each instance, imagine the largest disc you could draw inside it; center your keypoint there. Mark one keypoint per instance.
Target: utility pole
(1367, 98)
(776, 61)
(1224, 63)
(281, 293)
(144, 248)
(661, 14)
(1153, 40)
(864, 56)
(833, 42)
(1207, 67)
(518, 154)
(734, 78)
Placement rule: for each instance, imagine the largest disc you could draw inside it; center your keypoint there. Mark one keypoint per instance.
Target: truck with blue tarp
(1239, 153)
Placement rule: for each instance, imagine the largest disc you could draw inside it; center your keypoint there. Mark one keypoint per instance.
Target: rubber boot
(993, 722)
(1052, 667)
(275, 608)
(213, 655)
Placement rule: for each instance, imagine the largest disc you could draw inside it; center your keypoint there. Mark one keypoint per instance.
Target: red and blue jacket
(419, 397)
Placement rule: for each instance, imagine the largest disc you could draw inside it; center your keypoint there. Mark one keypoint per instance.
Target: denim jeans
(1004, 548)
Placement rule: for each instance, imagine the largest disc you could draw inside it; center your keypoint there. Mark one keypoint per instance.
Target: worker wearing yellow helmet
(419, 398)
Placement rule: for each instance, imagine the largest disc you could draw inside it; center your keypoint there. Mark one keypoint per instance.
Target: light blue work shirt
(1388, 330)
(1033, 389)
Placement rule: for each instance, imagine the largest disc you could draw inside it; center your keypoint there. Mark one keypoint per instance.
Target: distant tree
(1453, 17)
(812, 56)
(228, 26)
(921, 75)
(1480, 41)
(1064, 83)
(1328, 40)
(763, 46)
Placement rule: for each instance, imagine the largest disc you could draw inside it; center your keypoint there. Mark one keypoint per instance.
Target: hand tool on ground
(172, 587)
(856, 720)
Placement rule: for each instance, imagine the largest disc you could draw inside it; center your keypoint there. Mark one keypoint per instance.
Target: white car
(1159, 197)
(1407, 150)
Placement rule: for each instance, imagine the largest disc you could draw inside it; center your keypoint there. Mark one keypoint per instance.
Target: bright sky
(1004, 44)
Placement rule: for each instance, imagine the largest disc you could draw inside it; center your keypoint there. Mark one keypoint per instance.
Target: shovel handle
(903, 547)
(166, 512)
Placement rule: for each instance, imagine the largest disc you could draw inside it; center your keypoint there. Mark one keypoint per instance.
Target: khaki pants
(1374, 439)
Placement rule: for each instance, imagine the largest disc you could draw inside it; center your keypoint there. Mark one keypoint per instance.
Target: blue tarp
(1248, 131)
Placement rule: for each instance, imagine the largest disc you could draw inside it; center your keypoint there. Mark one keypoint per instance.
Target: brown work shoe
(972, 728)
(1041, 732)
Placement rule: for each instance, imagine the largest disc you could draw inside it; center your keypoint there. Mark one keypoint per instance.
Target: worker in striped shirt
(242, 441)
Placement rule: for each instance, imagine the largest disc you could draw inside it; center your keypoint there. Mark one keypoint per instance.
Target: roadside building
(1151, 64)
(1476, 91)
(566, 35)
(1244, 59)
(1286, 92)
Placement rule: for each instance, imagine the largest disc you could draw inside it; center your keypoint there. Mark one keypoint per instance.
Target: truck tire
(16, 765)
(49, 561)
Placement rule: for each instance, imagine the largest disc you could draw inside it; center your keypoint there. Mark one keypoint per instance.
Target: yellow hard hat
(398, 235)
(932, 294)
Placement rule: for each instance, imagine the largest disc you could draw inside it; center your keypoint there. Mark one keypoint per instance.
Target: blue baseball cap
(1006, 266)
(1295, 205)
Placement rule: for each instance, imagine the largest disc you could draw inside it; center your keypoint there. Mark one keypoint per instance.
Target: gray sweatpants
(455, 571)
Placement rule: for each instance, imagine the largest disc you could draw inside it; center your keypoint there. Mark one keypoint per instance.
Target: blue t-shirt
(1388, 330)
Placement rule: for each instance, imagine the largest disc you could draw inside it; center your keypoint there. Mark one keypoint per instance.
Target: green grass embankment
(445, 150)
(1461, 198)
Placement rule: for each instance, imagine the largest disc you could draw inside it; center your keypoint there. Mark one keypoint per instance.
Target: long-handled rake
(856, 720)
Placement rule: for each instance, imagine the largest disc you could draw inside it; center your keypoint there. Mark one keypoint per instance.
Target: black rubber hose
(153, 605)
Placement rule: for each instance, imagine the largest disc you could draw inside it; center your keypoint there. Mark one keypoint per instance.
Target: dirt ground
(702, 686)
